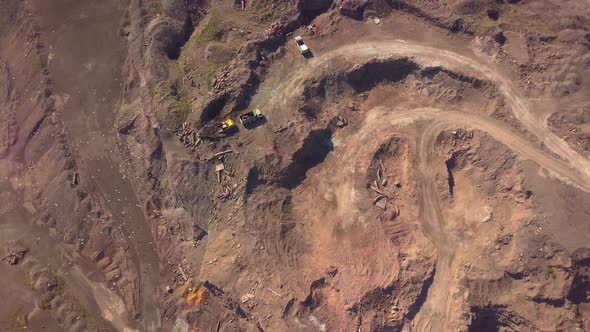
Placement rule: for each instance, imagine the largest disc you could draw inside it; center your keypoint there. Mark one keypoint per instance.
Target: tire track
(566, 164)
(81, 37)
(19, 225)
(350, 55)
(436, 309)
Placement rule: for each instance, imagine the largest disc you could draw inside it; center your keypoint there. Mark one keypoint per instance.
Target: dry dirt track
(573, 169)
(447, 119)
(429, 56)
(569, 167)
(383, 120)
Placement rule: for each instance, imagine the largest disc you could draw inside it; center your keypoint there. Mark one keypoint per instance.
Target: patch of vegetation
(262, 4)
(550, 273)
(20, 321)
(154, 9)
(264, 11)
(46, 305)
(76, 305)
(163, 91)
(186, 65)
(211, 30)
(210, 70)
(181, 99)
(183, 103)
(28, 280)
(58, 290)
(176, 95)
(220, 53)
(60, 283)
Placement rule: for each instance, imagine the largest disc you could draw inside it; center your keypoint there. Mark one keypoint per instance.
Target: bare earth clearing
(425, 168)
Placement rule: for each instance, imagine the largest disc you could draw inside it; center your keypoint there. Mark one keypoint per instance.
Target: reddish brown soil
(425, 168)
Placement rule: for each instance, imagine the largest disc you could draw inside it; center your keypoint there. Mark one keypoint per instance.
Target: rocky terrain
(424, 168)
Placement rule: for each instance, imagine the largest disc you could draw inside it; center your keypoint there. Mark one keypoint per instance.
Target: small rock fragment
(246, 297)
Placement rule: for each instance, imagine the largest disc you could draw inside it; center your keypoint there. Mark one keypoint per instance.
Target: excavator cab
(227, 126)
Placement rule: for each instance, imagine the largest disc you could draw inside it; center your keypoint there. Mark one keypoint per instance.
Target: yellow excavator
(218, 130)
(226, 126)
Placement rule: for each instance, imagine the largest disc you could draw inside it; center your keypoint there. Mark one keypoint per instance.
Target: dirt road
(350, 180)
(351, 55)
(569, 167)
(446, 119)
(87, 48)
(382, 120)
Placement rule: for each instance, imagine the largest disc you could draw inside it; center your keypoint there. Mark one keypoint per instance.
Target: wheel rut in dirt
(327, 77)
(348, 208)
(370, 52)
(88, 93)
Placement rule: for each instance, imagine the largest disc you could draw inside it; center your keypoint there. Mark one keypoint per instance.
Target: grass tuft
(20, 321)
(28, 280)
(211, 30)
(154, 9)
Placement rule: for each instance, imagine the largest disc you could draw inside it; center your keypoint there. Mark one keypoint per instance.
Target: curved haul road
(285, 94)
(569, 167)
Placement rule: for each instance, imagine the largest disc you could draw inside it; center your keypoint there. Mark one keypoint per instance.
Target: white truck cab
(301, 45)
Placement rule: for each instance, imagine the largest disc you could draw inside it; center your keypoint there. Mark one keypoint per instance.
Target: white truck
(301, 45)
